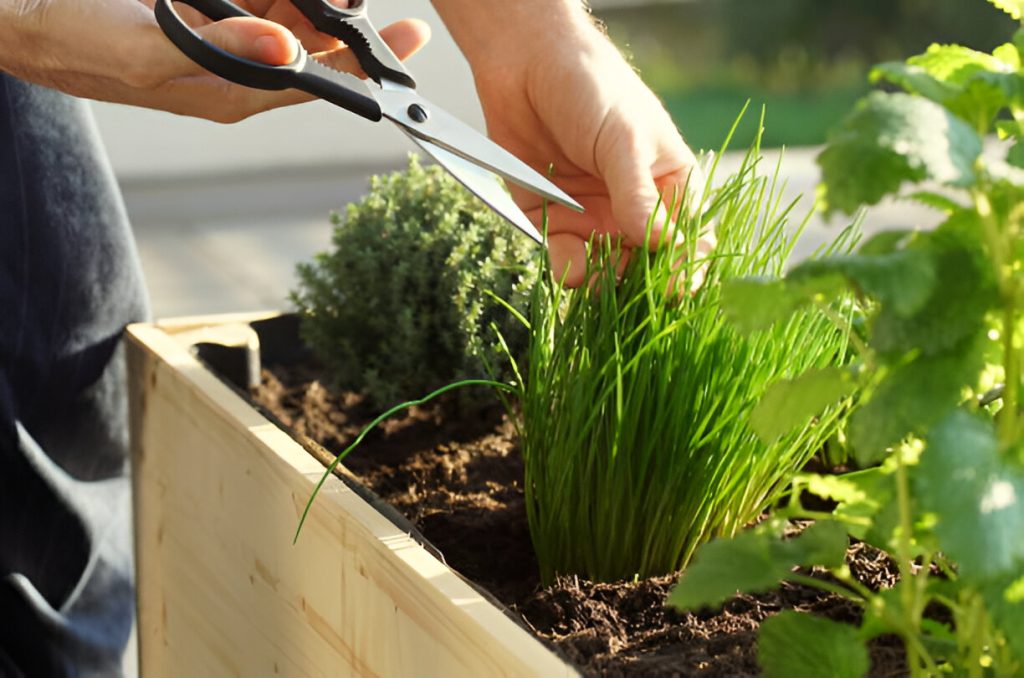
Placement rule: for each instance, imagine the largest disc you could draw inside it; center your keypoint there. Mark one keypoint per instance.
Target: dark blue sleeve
(69, 283)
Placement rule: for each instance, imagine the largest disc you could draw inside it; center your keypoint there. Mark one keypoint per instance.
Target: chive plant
(636, 397)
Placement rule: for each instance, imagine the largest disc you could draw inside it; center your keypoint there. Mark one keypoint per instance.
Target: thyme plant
(635, 398)
(396, 305)
(939, 364)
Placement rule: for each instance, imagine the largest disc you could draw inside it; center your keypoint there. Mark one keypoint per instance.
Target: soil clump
(457, 475)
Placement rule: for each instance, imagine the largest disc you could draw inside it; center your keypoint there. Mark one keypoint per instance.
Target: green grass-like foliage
(397, 305)
(636, 403)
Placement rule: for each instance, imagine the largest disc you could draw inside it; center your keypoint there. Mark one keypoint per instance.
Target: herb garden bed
(222, 586)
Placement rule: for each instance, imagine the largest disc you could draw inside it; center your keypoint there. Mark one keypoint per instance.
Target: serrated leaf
(753, 304)
(797, 645)
(789, 404)
(936, 201)
(861, 496)
(1012, 7)
(962, 292)
(822, 543)
(890, 139)
(913, 397)
(902, 279)
(956, 64)
(913, 79)
(974, 85)
(754, 561)
(978, 499)
(885, 242)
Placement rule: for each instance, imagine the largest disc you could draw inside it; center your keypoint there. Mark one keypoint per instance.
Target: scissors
(389, 92)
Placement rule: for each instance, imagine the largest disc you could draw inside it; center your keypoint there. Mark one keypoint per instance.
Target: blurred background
(223, 213)
(805, 60)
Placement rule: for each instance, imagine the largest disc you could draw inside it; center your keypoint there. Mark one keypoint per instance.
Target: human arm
(113, 50)
(554, 90)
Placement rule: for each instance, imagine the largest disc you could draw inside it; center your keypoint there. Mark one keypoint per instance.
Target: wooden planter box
(221, 589)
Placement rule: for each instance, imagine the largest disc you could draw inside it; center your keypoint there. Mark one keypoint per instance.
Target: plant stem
(999, 244)
(826, 586)
(1008, 414)
(908, 592)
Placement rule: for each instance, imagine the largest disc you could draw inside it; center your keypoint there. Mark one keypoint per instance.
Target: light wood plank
(222, 590)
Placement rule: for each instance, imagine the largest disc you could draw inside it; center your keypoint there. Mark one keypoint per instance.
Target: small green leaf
(796, 645)
(936, 201)
(956, 64)
(823, 543)
(885, 242)
(1012, 7)
(914, 79)
(753, 304)
(890, 139)
(724, 566)
(790, 404)
(903, 279)
(912, 397)
(978, 498)
(961, 293)
(754, 561)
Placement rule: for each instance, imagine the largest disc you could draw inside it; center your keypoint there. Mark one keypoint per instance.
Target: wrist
(490, 31)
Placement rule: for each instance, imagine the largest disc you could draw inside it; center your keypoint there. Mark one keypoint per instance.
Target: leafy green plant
(396, 306)
(938, 420)
(635, 396)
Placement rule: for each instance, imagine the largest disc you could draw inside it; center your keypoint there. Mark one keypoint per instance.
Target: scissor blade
(482, 183)
(444, 130)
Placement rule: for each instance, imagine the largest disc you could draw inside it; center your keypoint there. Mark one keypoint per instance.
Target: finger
(404, 37)
(567, 253)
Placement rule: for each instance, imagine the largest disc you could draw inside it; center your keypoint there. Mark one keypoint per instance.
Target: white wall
(147, 144)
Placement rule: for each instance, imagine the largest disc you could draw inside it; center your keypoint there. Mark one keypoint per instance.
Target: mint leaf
(862, 496)
(753, 304)
(961, 293)
(913, 397)
(915, 80)
(789, 404)
(797, 645)
(885, 242)
(903, 279)
(890, 139)
(754, 561)
(974, 85)
(977, 498)
(956, 64)
(1012, 7)
(936, 201)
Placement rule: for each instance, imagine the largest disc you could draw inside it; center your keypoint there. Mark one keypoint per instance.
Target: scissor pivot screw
(418, 113)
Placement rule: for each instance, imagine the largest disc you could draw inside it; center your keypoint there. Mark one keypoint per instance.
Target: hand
(561, 94)
(113, 50)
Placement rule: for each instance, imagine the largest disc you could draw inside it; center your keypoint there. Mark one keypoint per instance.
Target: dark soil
(457, 476)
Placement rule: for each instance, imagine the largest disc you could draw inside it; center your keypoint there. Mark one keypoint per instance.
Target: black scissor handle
(302, 73)
(352, 26)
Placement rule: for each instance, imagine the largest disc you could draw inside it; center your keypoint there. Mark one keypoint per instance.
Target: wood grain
(224, 592)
